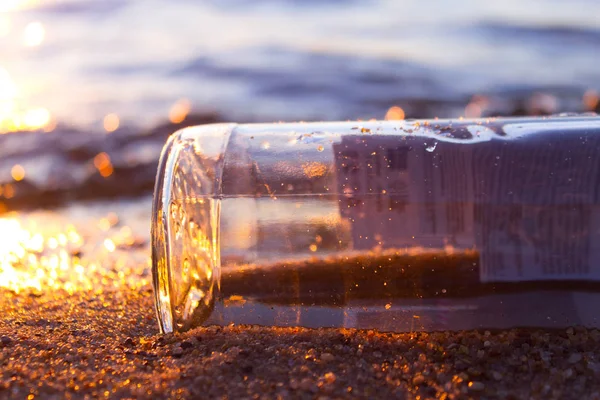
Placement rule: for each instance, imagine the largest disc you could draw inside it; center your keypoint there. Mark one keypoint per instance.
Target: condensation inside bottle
(426, 225)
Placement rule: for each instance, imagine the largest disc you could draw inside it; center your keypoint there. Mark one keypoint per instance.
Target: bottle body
(398, 226)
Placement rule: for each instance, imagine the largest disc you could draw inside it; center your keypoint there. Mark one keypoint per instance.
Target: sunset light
(111, 123)
(395, 113)
(15, 5)
(8, 91)
(34, 34)
(590, 100)
(179, 111)
(17, 172)
(5, 26)
(103, 164)
(304, 199)
(38, 259)
(36, 118)
(13, 118)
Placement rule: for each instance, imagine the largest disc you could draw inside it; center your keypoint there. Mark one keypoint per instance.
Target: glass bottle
(392, 225)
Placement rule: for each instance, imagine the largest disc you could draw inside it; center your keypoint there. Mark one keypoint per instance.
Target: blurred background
(100, 84)
(90, 89)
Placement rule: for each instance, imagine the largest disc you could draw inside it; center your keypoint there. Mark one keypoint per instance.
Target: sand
(94, 335)
(106, 345)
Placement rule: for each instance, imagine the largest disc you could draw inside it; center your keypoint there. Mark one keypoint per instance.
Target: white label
(529, 208)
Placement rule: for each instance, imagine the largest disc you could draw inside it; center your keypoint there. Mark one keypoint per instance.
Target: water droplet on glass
(431, 148)
(320, 148)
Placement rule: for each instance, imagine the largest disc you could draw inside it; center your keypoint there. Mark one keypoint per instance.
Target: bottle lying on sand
(396, 225)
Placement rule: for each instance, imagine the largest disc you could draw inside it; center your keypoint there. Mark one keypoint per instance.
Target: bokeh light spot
(179, 111)
(111, 123)
(17, 172)
(34, 34)
(103, 164)
(395, 113)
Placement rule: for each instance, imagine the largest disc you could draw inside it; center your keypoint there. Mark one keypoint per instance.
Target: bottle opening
(185, 230)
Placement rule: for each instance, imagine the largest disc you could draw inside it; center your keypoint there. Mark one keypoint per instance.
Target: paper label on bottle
(531, 210)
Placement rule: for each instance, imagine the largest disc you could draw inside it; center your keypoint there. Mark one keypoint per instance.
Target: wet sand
(106, 344)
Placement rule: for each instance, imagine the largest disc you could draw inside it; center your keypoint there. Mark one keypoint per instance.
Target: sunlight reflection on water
(43, 251)
(78, 61)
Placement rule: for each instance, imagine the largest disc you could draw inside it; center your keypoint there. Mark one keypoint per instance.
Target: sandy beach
(78, 321)
(105, 344)
(89, 93)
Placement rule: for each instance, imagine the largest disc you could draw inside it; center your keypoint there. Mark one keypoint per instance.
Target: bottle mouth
(185, 226)
(160, 263)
